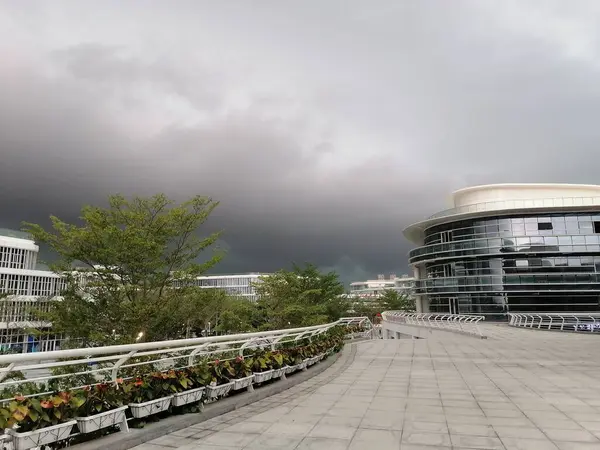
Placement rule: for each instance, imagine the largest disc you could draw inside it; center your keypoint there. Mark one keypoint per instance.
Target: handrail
(107, 361)
(581, 322)
(462, 323)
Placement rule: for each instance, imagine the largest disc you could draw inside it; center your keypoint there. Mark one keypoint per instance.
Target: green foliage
(222, 372)
(391, 300)
(199, 375)
(131, 251)
(237, 316)
(301, 297)
(102, 397)
(35, 413)
(156, 385)
(242, 366)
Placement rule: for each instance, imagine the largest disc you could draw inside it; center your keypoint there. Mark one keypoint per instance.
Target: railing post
(5, 371)
(192, 355)
(119, 363)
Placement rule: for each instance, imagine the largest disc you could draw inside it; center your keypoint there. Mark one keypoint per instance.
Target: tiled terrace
(518, 389)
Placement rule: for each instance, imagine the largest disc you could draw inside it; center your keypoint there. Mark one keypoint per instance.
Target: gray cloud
(323, 128)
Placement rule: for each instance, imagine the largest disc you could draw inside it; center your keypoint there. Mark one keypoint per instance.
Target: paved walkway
(519, 389)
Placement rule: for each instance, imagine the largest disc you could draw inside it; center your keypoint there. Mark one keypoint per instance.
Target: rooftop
(14, 234)
(518, 389)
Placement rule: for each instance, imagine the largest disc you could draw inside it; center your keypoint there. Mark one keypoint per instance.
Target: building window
(597, 227)
(545, 226)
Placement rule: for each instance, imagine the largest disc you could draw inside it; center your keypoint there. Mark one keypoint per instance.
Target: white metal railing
(586, 322)
(105, 363)
(467, 324)
(369, 330)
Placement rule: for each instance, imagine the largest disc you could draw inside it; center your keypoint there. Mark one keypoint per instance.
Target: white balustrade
(108, 362)
(462, 323)
(583, 322)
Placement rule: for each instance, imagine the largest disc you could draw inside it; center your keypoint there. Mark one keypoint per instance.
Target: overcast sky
(324, 127)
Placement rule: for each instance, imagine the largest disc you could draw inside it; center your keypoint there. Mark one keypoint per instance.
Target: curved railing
(110, 360)
(467, 324)
(583, 322)
(99, 365)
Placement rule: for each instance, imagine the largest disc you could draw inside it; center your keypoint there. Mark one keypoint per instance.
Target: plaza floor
(518, 389)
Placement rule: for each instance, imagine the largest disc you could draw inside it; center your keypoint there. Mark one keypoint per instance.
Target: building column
(421, 301)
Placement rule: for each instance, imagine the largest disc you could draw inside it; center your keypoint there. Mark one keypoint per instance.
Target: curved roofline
(530, 185)
(414, 231)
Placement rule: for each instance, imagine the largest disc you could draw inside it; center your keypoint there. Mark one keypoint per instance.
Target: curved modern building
(509, 248)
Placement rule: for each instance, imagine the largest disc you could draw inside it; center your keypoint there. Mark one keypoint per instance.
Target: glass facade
(495, 265)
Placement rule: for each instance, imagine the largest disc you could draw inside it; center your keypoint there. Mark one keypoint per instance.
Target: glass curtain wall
(491, 266)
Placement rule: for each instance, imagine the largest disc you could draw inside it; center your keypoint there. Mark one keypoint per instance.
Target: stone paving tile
(517, 390)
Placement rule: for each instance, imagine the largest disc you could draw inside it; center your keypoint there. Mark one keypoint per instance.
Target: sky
(323, 127)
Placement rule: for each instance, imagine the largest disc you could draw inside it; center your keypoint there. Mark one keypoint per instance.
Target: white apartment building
(372, 289)
(24, 289)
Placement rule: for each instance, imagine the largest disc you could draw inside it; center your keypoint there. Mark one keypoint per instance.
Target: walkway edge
(137, 436)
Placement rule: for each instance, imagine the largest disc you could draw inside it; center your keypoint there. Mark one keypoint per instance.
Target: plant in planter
(295, 356)
(277, 363)
(186, 389)
(243, 375)
(262, 366)
(200, 375)
(32, 422)
(150, 394)
(221, 375)
(103, 407)
(289, 361)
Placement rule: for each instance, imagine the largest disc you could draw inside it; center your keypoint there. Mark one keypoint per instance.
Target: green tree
(300, 297)
(392, 300)
(139, 258)
(236, 315)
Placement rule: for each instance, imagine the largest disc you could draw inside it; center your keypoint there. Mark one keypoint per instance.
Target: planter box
(139, 410)
(291, 369)
(218, 391)
(303, 364)
(105, 419)
(31, 439)
(278, 373)
(242, 383)
(261, 377)
(309, 361)
(186, 397)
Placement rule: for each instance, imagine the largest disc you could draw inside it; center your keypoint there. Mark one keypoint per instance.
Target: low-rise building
(238, 285)
(371, 289)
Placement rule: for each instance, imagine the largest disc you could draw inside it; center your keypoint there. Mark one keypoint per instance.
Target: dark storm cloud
(323, 128)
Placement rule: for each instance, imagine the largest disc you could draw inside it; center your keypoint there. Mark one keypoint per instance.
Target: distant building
(25, 288)
(238, 285)
(372, 289)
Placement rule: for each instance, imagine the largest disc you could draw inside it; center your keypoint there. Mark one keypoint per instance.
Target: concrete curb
(137, 436)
